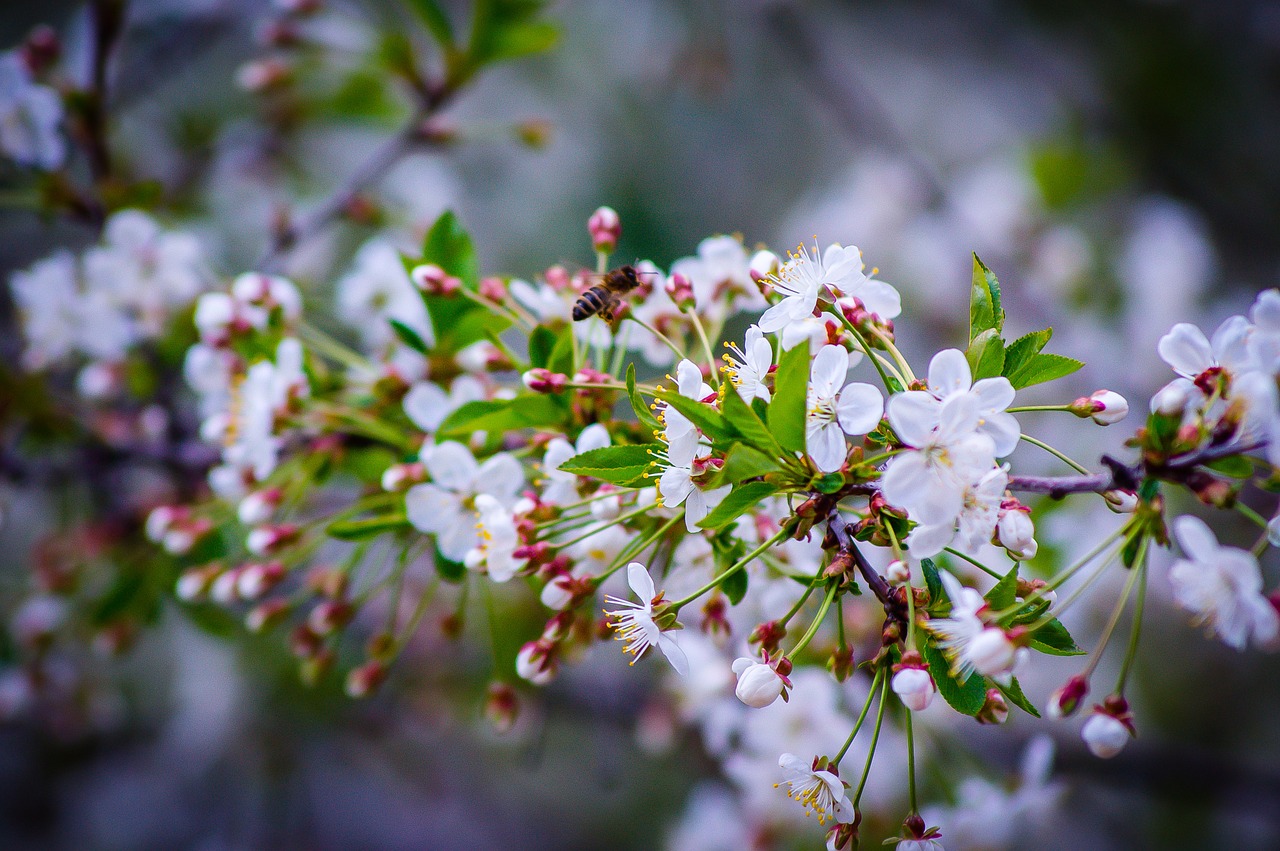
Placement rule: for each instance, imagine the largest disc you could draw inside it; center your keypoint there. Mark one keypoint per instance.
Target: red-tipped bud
(399, 477)
(605, 228)
(433, 280)
(364, 680)
(1065, 701)
(994, 710)
(327, 618)
(841, 663)
(493, 289)
(266, 615)
(501, 707)
(271, 539)
(541, 380)
(259, 75)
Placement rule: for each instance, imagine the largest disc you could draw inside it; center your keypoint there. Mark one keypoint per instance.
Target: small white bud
(1114, 407)
(1017, 533)
(763, 264)
(897, 573)
(915, 688)
(758, 685)
(557, 595)
(1105, 735)
(1171, 400)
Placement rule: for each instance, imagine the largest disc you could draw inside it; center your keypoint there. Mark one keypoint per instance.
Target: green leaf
(503, 415)
(408, 336)
(1042, 368)
(1020, 352)
(745, 422)
(791, 389)
(741, 499)
(561, 359)
(1054, 640)
(966, 697)
(743, 462)
(541, 341)
(985, 311)
(1014, 694)
(618, 465)
(449, 246)
(370, 527)
(734, 586)
(932, 581)
(643, 414)
(708, 419)
(508, 29)
(450, 571)
(1237, 466)
(1004, 593)
(436, 21)
(986, 355)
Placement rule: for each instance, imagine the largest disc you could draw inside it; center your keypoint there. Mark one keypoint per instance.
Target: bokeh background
(1116, 162)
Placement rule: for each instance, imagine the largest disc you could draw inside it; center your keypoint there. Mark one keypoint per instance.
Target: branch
(894, 607)
(409, 137)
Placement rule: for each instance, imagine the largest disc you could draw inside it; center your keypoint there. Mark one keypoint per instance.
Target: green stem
(1023, 409)
(973, 561)
(911, 765)
(1116, 612)
(663, 337)
(706, 347)
(817, 621)
(1132, 651)
(734, 568)
(875, 739)
(866, 706)
(1079, 468)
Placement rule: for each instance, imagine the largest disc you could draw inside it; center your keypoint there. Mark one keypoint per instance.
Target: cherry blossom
(833, 412)
(1222, 587)
(635, 625)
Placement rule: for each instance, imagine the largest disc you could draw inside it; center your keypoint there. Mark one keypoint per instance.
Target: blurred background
(1114, 161)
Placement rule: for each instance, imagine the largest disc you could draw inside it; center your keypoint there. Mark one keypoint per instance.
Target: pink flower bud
(897, 573)
(162, 519)
(541, 380)
(257, 579)
(258, 506)
(269, 539)
(433, 280)
(558, 278)
(194, 584)
(399, 477)
(1064, 702)
(223, 589)
(329, 617)
(1120, 501)
(258, 75)
(764, 264)
(501, 707)
(605, 228)
(493, 289)
(1106, 407)
(364, 680)
(558, 594)
(534, 662)
(680, 289)
(995, 710)
(266, 615)
(914, 686)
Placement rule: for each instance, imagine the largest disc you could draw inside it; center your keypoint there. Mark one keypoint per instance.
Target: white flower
(562, 488)
(498, 540)
(1017, 533)
(30, 114)
(1264, 342)
(378, 289)
(748, 366)
(541, 300)
(677, 485)
(1172, 399)
(832, 412)
(946, 455)
(914, 686)
(807, 276)
(1222, 587)
(721, 277)
(758, 684)
(635, 625)
(949, 376)
(979, 512)
(969, 643)
(689, 384)
(257, 295)
(1186, 349)
(49, 302)
(1105, 735)
(428, 405)
(443, 505)
(821, 792)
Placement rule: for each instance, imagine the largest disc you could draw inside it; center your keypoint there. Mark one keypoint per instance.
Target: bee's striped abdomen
(590, 303)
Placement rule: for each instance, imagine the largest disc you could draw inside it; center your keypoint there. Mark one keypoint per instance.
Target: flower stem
(1079, 468)
(1116, 612)
(1022, 409)
(1132, 651)
(706, 347)
(911, 764)
(875, 739)
(866, 707)
(817, 621)
(741, 563)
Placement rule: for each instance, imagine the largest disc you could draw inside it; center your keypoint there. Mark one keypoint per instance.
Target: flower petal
(1196, 538)
(452, 466)
(1186, 349)
(640, 581)
(914, 415)
(949, 373)
(860, 408)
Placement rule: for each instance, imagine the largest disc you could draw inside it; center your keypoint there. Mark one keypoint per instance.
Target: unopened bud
(897, 573)
(1170, 401)
(994, 710)
(501, 707)
(364, 680)
(541, 380)
(605, 228)
(680, 290)
(254, 580)
(259, 75)
(841, 663)
(194, 584)
(1065, 701)
(764, 264)
(1121, 501)
(258, 506)
(399, 477)
(328, 617)
(493, 289)
(535, 662)
(1105, 407)
(433, 280)
(266, 615)
(270, 539)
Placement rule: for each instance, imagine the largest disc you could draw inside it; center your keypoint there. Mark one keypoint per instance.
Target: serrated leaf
(642, 412)
(1042, 368)
(449, 246)
(710, 421)
(1004, 593)
(618, 465)
(985, 310)
(370, 527)
(734, 586)
(1023, 349)
(741, 499)
(791, 390)
(1054, 640)
(408, 336)
(502, 415)
(986, 355)
(933, 582)
(968, 697)
(1014, 694)
(744, 421)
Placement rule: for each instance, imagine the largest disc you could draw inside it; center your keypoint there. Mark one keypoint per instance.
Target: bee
(605, 297)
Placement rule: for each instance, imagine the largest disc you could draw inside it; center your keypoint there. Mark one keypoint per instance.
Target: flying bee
(606, 297)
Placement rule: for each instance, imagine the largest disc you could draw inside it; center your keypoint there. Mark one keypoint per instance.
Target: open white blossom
(747, 367)
(805, 277)
(561, 488)
(635, 625)
(821, 792)
(30, 117)
(444, 505)
(378, 289)
(1222, 587)
(832, 412)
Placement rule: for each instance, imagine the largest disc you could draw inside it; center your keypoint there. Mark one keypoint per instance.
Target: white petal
(674, 654)
(452, 466)
(594, 436)
(640, 581)
(426, 404)
(501, 476)
(1186, 349)
(1004, 431)
(860, 408)
(429, 507)
(826, 447)
(914, 415)
(829, 369)
(994, 394)
(949, 373)
(1196, 538)
(928, 541)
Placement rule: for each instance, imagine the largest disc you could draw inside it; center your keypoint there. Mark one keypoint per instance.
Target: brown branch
(894, 606)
